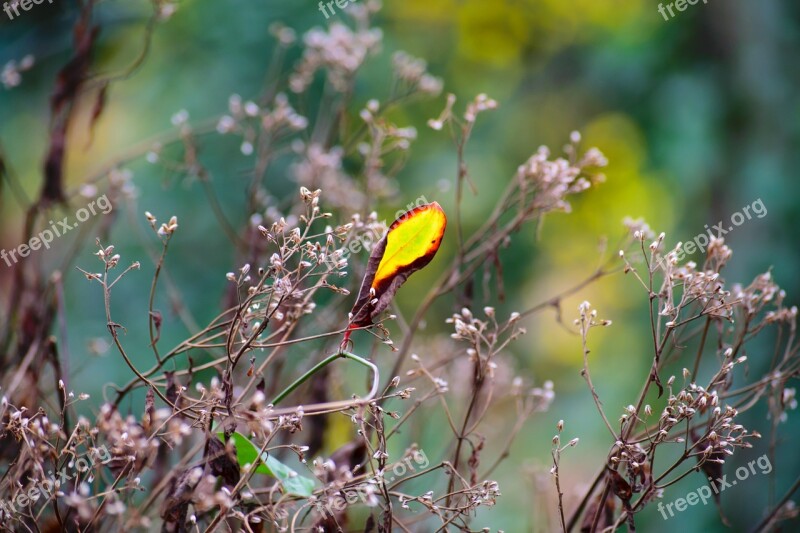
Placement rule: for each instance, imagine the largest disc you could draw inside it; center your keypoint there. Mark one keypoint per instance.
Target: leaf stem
(325, 362)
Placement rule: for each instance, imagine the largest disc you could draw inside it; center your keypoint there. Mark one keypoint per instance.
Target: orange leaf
(409, 245)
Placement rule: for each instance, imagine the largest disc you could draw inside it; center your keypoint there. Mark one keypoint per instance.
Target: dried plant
(213, 453)
(694, 315)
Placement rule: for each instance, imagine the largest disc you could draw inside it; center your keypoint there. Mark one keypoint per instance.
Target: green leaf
(292, 482)
(247, 453)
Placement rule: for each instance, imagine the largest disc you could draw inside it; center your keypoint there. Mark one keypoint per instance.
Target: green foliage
(247, 453)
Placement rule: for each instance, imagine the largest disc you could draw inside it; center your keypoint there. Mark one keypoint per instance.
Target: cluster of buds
(339, 50)
(11, 73)
(551, 182)
(107, 256)
(413, 71)
(588, 318)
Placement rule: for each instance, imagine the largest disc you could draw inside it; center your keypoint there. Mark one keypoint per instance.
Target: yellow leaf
(410, 244)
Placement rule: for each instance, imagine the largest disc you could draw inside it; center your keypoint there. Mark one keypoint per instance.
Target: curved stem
(325, 362)
(151, 318)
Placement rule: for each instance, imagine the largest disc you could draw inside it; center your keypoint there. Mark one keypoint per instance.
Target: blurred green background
(698, 115)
